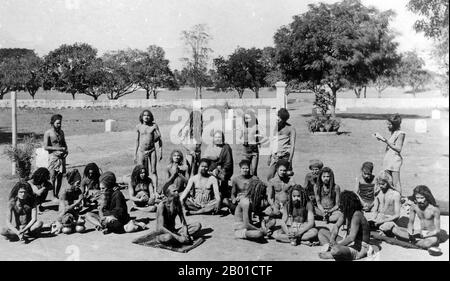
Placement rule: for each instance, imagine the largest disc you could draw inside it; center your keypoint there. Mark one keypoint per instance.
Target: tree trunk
(357, 92)
(147, 93)
(240, 93)
(155, 94)
(95, 97)
(257, 93)
(73, 96)
(365, 92)
(379, 94)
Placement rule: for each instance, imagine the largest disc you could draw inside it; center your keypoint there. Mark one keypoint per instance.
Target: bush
(22, 155)
(323, 124)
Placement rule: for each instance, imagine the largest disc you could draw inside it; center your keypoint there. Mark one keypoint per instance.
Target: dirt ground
(426, 162)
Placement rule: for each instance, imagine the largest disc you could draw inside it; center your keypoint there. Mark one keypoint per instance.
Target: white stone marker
(41, 158)
(436, 114)
(110, 125)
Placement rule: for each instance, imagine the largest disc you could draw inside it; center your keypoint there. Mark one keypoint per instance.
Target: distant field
(189, 93)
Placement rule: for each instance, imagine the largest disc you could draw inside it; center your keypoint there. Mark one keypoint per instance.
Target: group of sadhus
(204, 183)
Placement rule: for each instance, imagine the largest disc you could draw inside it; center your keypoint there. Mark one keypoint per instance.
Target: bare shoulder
(212, 180)
(337, 187)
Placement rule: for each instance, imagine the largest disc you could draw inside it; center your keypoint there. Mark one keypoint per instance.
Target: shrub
(22, 155)
(323, 124)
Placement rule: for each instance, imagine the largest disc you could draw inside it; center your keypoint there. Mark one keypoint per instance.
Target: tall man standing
(55, 144)
(284, 145)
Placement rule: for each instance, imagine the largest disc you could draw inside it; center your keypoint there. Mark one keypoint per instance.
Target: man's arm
(245, 204)
(233, 189)
(284, 220)
(310, 220)
(292, 140)
(9, 224)
(337, 198)
(187, 189)
(270, 193)
(412, 218)
(160, 143)
(316, 194)
(76, 203)
(215, 186)
(137, 144)
(354, 228)
(397, 148)
(32, 221)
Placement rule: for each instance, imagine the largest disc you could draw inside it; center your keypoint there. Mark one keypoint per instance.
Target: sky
(43, 25)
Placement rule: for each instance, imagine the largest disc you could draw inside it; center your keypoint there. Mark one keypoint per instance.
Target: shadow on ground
(6, 137)
(372, 116)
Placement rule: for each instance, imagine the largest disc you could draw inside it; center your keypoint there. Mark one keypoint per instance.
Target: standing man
(55, 144)
(284, 144)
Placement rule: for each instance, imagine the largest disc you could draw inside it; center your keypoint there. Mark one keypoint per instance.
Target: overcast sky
(43, 25)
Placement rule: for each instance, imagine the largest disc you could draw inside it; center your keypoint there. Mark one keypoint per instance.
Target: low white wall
(341, 103)
(393, 103)
(133, 103)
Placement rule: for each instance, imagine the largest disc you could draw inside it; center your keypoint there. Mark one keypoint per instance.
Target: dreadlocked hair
(136, 178)
(425, 192)
(303, 197)
(40, 176)
(349, 204)
(29, 197)
(332, 184)
(92, 167)
(256, 193)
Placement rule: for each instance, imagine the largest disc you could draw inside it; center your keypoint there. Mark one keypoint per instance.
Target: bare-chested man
(166, 214)
(70, 203)
(55, 144)
(297, 223)
(428, 212)
(355, 245)
(278, 189)
(386, 210)
(240, 183)
(284, 145)
(327, 194)
(206, 196)
(253, 203)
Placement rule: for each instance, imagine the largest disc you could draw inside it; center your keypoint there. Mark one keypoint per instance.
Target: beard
(296, 203)
(422, 206)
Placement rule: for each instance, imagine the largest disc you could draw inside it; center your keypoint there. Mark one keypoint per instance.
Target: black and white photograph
(224, 131)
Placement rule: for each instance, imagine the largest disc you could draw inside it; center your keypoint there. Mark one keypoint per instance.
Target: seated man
(253, 203)
(90, 185)
(21, 220)
(311, 178)
(425, 207)
(240, 183)
(166, 214)
(278, 189)
(365, 187)
(386, 210)
(327, 194)
(70, 203)
(142, 191)
(113, 213)
(355, 245)
(40, 183)
(301, 213)
(206, 197)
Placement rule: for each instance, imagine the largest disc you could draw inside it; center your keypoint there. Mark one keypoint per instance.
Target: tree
(334, 45)
(14, 73)
(196, 42)
(151, 70)
(243, 69)
(180, 78)
(412, 71)
(118, 77)
(36, 76)
(66, 68)
(435, 25)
